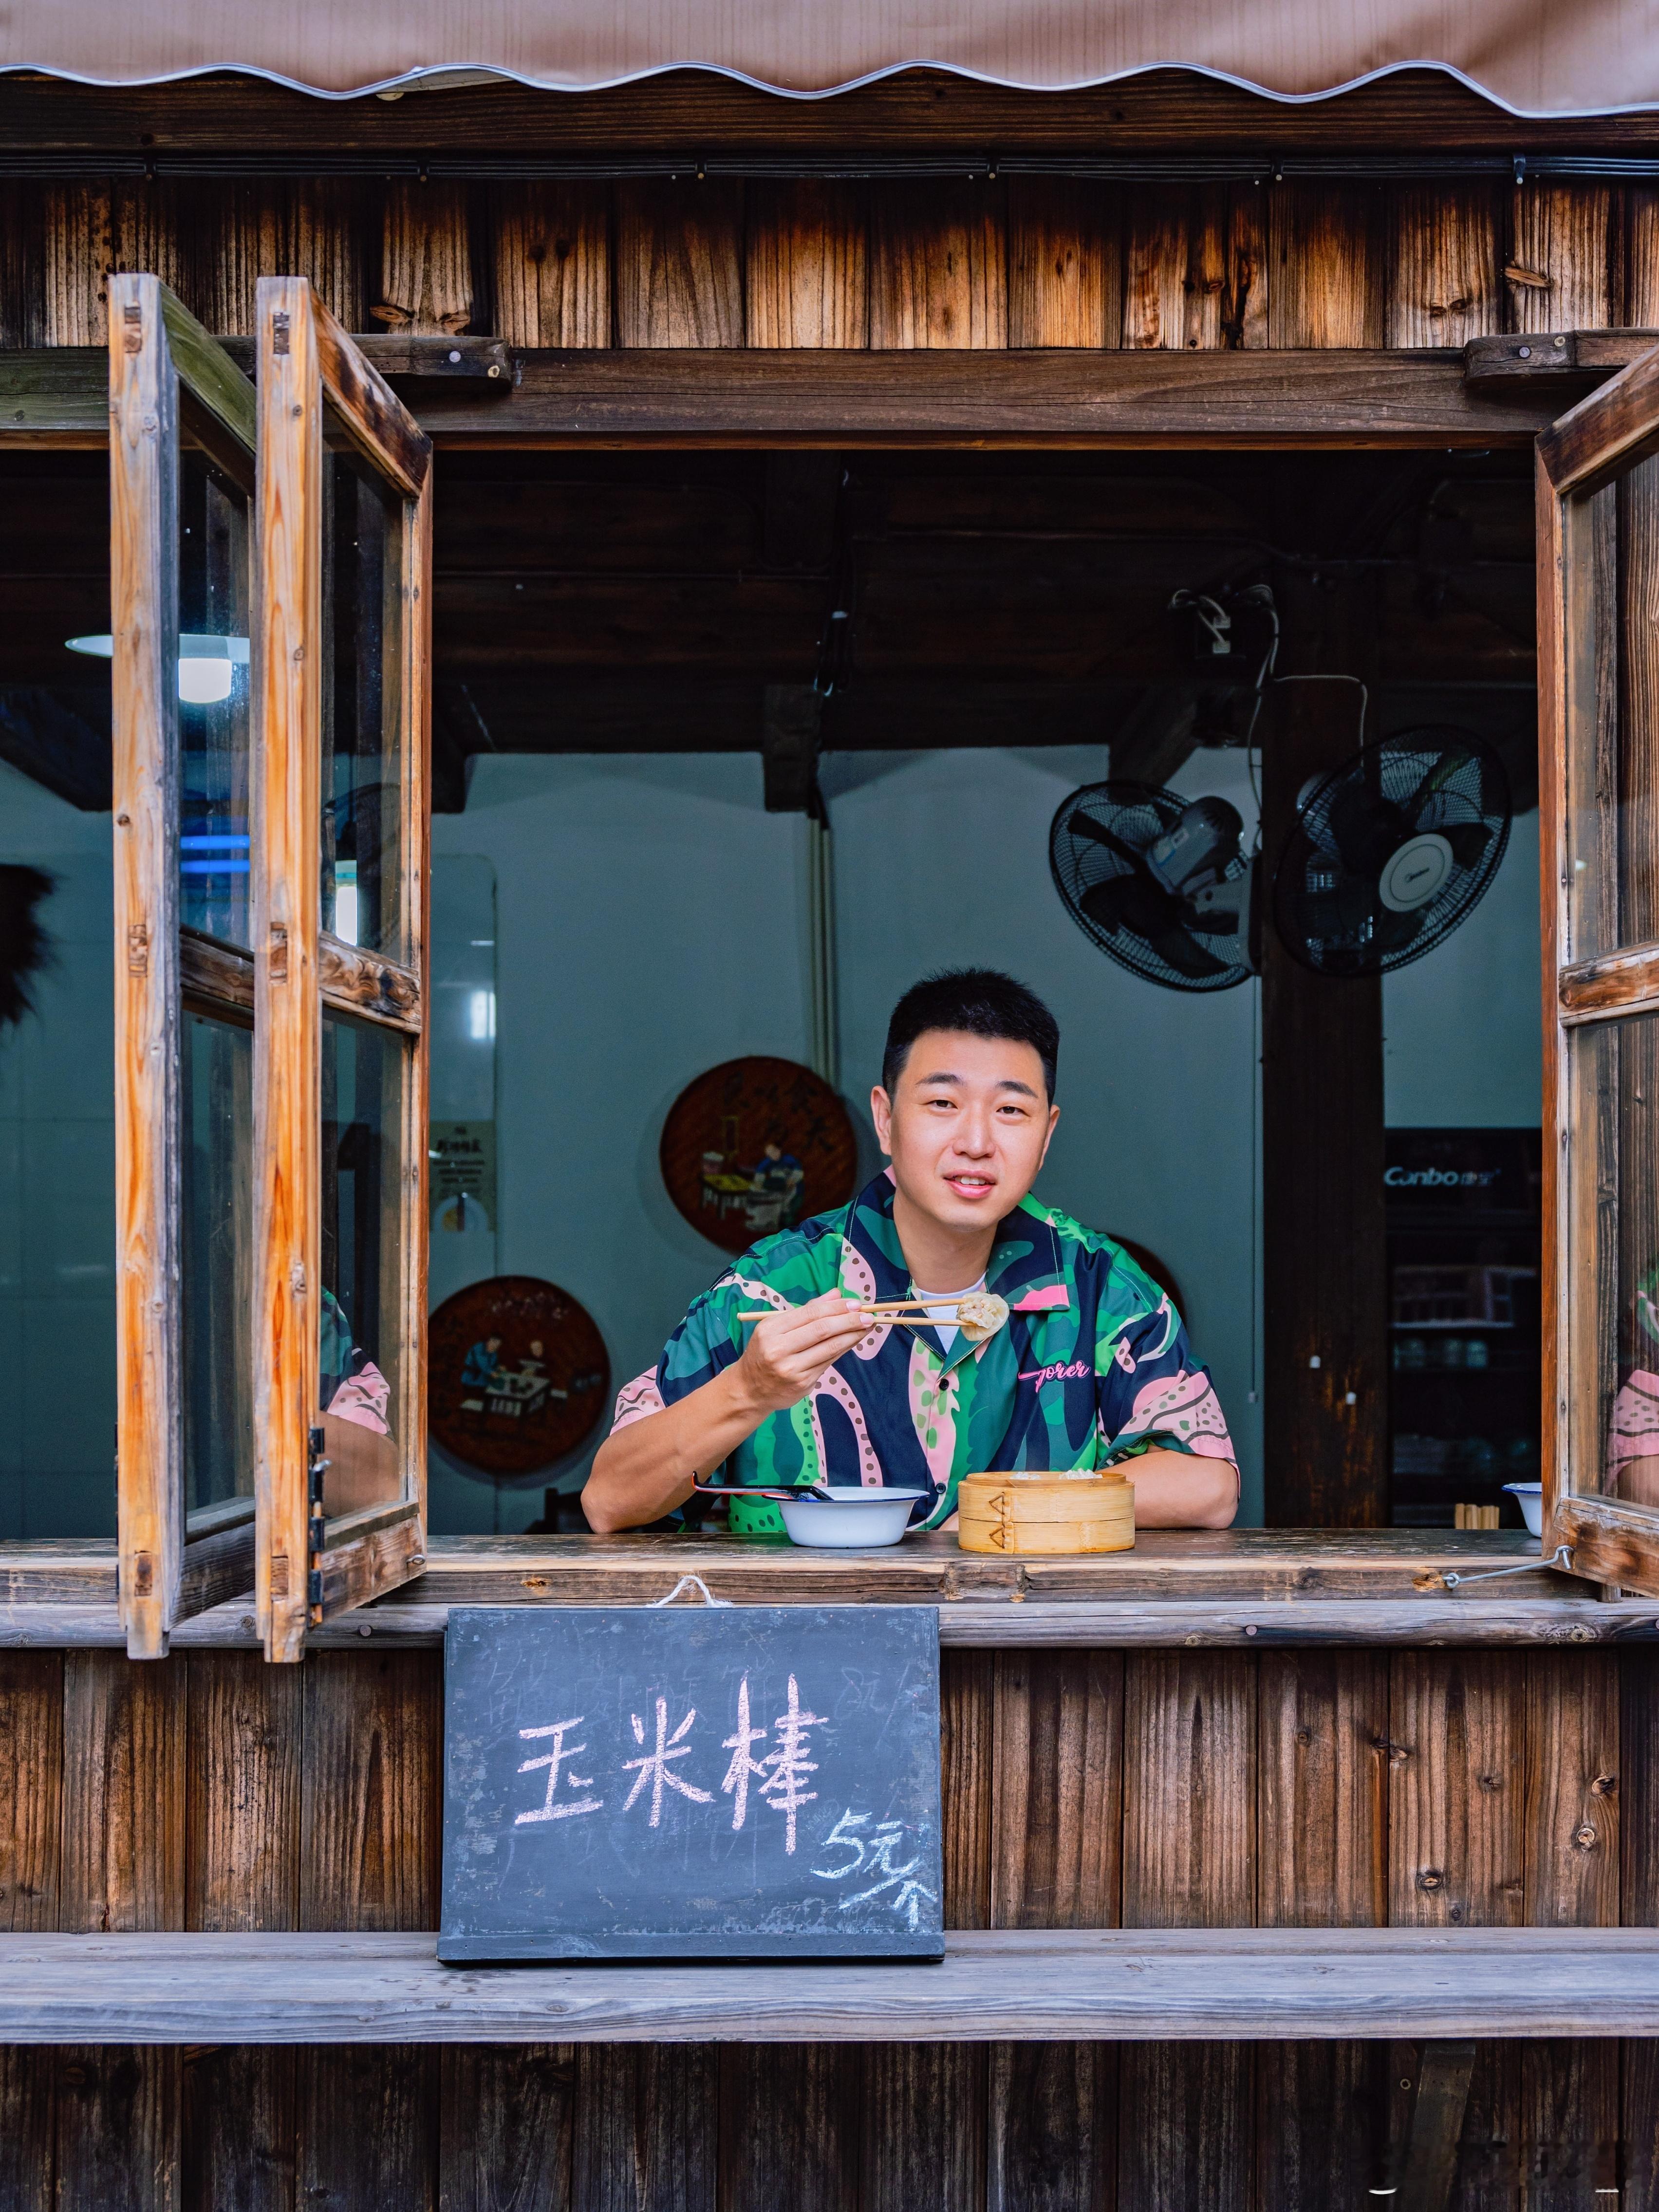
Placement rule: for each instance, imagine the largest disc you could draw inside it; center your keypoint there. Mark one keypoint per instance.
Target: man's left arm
(1163, 1427)
(1183, 1490)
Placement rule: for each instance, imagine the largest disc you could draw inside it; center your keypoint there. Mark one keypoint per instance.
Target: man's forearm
(648, 1468)
(1183, 1490)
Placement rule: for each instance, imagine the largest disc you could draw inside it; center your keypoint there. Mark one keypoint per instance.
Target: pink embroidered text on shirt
(1068, 1372)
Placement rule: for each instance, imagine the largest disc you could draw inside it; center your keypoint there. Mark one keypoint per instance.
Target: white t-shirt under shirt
(942, 1309)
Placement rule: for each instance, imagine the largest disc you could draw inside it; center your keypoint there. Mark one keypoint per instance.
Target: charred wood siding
(887, 264)
(1153, 1788)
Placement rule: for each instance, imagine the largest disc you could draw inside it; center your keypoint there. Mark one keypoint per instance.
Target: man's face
(967, 1126)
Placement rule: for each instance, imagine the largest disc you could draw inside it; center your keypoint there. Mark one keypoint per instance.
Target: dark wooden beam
(735, 398)
(519, 711)
(1006, 399)
(802, 492)
(1145, 724)
(60, 739)
(1424, 2159)
(1324, 1259)
(1418, 113)
(1156, 738)
(791, 720)
(1540, 360)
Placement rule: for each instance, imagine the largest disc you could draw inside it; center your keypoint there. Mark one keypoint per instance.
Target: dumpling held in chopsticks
(980, 1314)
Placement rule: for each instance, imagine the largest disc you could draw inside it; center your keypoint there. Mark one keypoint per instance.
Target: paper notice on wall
(461, 1165)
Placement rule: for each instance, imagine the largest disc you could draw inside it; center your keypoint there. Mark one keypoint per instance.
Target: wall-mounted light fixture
(207, 665)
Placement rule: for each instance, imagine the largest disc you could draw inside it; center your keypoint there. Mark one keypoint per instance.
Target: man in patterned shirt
(1092, 1369)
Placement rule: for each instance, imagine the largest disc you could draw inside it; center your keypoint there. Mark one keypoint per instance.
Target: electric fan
(1159, 883)
(1390, 852)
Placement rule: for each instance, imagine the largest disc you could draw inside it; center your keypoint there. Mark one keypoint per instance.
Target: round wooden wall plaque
(517, 1375)
(755, 1145)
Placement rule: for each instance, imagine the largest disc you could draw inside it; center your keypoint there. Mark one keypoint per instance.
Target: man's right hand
(649, 1467)
(788, 1350)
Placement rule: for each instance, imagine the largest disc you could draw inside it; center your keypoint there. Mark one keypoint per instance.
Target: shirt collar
(1027, 1256)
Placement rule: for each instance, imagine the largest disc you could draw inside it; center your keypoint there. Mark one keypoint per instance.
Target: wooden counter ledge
(1204, 1588)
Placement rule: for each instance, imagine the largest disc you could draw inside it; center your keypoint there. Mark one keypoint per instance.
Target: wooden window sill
(1232, 1589)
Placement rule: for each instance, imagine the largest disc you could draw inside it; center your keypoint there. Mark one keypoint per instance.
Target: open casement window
(182, 429)
(341, 644)
(1598, 587)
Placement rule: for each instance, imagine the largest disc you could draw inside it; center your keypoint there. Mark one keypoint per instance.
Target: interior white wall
(58, 1188)
(649, 925)
(1463, 1029)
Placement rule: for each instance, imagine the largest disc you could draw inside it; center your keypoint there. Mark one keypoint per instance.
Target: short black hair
(985, 1003)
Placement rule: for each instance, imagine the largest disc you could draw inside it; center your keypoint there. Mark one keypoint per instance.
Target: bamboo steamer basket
(1026, 1513)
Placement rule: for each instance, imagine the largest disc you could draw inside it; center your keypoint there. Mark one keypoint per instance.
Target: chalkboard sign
(756, 1782)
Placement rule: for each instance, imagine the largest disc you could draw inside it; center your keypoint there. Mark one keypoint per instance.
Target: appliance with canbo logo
(1465, 1345)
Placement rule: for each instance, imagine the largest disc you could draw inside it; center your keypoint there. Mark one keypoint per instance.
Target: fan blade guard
(1098, 843)
(1391, 852)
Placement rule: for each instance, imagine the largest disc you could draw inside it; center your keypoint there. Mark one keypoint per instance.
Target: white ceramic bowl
(1529, 1497)
(852, 1519)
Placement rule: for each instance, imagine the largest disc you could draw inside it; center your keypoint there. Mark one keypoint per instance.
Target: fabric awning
(1536, 57)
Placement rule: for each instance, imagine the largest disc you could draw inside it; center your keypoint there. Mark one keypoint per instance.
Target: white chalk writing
(788, 1765)
(736, 1784)
(874, 1854)
(654, 1766)
(553, 1760)
(841, 1835)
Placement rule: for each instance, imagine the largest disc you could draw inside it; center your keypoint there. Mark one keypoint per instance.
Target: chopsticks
(742, 1490)
(892, 1309)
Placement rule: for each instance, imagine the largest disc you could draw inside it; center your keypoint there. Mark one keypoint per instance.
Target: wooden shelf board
(1107, 1985)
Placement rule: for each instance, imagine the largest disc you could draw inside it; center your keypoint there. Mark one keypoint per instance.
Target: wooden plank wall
(968, 263)
(1084, 1788)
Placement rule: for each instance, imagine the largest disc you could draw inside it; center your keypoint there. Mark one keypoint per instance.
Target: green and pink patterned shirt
(1092, 1367)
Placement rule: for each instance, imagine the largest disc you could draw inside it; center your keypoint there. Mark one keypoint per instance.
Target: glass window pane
(214, 701)
(58, 1331)
(461, 1129)
(57, 1153)
(362, 762)
(362, 1234)
(461, 1188)
(1616, 1329)
(217, 1178)
(1613, 822)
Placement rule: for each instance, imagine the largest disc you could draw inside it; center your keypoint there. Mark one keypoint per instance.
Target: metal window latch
(1560, 1557)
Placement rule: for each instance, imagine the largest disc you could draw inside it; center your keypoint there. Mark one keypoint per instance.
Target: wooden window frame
(1588, 449)
(162, 365)
(308, 1567)
(1602, 435)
